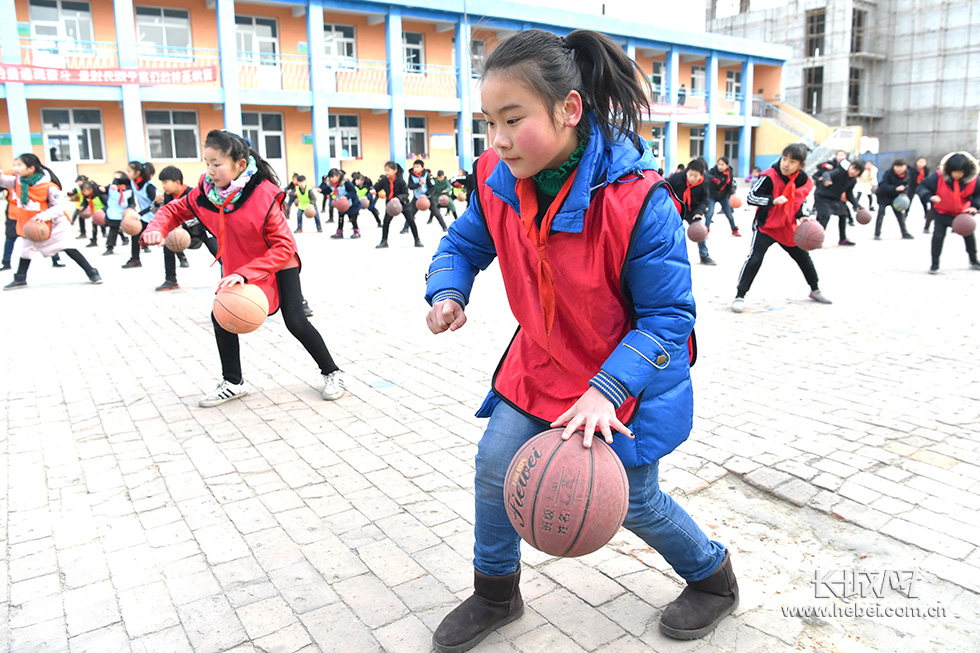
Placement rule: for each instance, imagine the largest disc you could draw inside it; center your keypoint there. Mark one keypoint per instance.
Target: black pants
(827, 209)
(351, 215)
(899, 215)
(110, 239)
(10, 231)
(944, 222)
(409, 212)
(73, 254)
(291, 304)
(762, 242)
(170, 258)
(134, 242)
(927, 210)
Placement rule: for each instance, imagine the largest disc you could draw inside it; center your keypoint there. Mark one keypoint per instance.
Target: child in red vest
(35, 196)
(952, 189)
(779, 192)
(240, 202)
(594, 261)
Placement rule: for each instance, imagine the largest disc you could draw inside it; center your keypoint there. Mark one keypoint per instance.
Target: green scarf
(220, 196)
(549, 181)
(25, 187)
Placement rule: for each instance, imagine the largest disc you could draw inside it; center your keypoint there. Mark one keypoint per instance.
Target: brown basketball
(365, 202)
(394, 207)
(863, 216)
(177, 240)
(37, 230)
(241, 308)
(809, 235)
(342, 204)
(564, 499)
(964, 224)
(422, 203)
(86, 212)
(735, 202)
(131, 225)
(697, 232)
(309, 212)
(444, 200)
(98, 218)
(461, 195)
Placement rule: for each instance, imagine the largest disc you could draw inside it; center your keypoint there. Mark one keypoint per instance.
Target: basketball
(394, 207)
(697, 232)
(901, 203)
(461, 195)
(964, 224)
(37, 230)
(735, 202)
(809, 235)
(365, 202)
(422, 203)
(240, 308)
(342, 204)
(177, 240)
(98, 218)
(564, 499)
(309, 212)
(86, 212)
(131, 225)
(444, 200)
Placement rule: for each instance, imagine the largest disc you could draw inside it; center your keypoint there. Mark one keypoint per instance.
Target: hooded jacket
(722, 184)
(636, 266)
(891, 180)
(940, 183)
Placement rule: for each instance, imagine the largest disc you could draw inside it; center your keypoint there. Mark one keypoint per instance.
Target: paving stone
(211, 625)
(767, 479)
(795, 491)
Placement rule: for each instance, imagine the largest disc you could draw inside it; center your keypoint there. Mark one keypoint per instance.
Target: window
(62, 24)
(345, 137)
(478, 55)
(816, 22)
(172, 134)
(264, 132)
(697, 80)
(657, 141)
(733, 84)
(257, 39)
(414, 48)
(697, 142)
(163, 32)
(858, 20)
(731, 145)
(854, 90)
(813, 89)
(339, 42)
(657, 81)
(74, 134)
(479, 136)
(415, 138)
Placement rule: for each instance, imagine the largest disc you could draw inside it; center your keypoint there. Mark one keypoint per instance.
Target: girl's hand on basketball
(152, 238)
(590, 411)
(231, 280)
(971, 210)
(935, 199)
(779, 200)
(445, 315)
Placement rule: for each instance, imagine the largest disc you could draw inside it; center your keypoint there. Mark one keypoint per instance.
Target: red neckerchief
(687, 192)
(221, 227)
(539, 237)
(922, 173)
(728, 176)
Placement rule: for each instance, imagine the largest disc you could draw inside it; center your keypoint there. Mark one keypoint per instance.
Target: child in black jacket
(953, 189)
(393, 186)
(690, 189)
(721, 188)
(833, 187)
(896, 181)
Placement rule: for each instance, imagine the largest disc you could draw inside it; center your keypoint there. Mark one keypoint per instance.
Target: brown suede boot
(702, 605)
(496, 601)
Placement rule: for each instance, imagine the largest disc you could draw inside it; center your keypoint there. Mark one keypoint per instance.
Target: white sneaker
(333, 385)
(738, 305)
(225, 391)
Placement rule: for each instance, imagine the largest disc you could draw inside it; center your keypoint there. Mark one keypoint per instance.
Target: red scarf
(922, 174)
(728, 177)
(539, 236)
(687, 192)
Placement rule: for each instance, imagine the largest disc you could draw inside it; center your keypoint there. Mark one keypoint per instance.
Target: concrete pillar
(464, 133)
(320, 113)
(745, 131)
(672, 65)
(17, 118)
(711, 129)
(396, 83)
(228, 54)
(132, 104)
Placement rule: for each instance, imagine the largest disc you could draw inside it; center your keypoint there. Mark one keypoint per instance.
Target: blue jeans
(725, 206)
(652, 514)
(299, 217)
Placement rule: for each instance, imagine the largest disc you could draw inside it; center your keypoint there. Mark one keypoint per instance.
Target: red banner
(108, 76)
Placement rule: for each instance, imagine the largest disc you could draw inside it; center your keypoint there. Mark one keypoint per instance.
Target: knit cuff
(454, 295)
(610, 387)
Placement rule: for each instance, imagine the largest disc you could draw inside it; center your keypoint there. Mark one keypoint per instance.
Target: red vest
(950, 202)
(37, 201)
(544, 377)
(781, 220)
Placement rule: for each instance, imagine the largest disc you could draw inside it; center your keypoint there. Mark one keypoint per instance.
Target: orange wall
(369, 39)
(438, 45)
(374, 143)
(6, 151)
(767, 78)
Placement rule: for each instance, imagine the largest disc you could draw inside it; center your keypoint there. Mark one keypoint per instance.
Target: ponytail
(585, 61)
(30, 160)
(236, 147)
(396, 167)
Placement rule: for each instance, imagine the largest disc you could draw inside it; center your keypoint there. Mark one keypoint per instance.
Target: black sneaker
(95, 277)
(57, 264)
(184, 263)
(418, 243)
(168, 285)
(5, 266)
(933, 270)
(92, 243)
(908, 237)
(846, 242)
(132, 263)
(123, 240)
(382, 245)
(975, 265)
(108, 252)
(707, 260)
(306, 308)
(15, 284)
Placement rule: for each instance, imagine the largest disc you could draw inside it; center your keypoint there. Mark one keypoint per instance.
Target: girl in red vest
(36, 195)
(779, 192)
(952, 189)
(592, 252)
(239, 201)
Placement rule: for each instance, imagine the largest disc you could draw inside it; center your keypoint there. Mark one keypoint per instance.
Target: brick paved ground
(826, 437)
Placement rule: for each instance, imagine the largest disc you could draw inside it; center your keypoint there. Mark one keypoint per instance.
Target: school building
(315, 84)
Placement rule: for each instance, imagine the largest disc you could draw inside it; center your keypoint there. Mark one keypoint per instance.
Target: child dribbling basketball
(239, 200)
(593, 257)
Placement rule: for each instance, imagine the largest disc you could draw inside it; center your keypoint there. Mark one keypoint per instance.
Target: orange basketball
(863, 216)
(697, 232)
(461, 195)
(240, 308)
(86, 212)
(37, 230)
(735, 202)
(309, 212)
(394, 207)
(422, 203)
(98, 218)
(444, 200)
(809, 235)
(342, 204)
(177, 240)
(131, 225)
(365, 202)
(964, 224)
